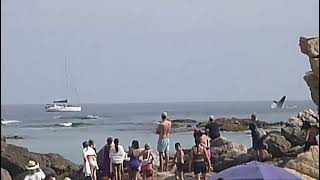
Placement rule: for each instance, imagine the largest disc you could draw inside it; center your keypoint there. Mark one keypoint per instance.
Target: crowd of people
(140, 161)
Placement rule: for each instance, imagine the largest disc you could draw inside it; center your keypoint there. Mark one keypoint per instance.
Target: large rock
(15, 158)
(302, 176)
(5, 175)
(227, 154)
(277, 145)
(226, 148)
(306, 163)
(310, 47)
(235, 124)
(294, 135)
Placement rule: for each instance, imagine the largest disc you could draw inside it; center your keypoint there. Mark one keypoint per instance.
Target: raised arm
(158, 129)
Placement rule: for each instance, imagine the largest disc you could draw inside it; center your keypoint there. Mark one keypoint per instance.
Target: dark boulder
(294, 135)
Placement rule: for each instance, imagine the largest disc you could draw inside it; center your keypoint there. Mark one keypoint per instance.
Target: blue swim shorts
(163, 145)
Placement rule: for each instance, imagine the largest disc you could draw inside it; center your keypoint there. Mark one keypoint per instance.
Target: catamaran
(62, 105)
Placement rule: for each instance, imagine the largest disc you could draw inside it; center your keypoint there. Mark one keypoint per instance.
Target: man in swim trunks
(163, 130)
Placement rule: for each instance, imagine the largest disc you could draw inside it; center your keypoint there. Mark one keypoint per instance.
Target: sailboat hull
(58, 108)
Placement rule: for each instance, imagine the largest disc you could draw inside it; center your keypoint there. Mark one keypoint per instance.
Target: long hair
(116, 144)
(135, 144)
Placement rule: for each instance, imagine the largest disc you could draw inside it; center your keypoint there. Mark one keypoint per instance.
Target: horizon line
(168, 102)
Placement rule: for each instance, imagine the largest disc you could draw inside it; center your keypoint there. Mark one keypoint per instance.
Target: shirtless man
(163, 130)
(178, 160)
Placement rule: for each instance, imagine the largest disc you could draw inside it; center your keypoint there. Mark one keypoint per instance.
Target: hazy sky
(155, 51)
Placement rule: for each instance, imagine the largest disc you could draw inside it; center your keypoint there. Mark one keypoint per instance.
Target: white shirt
(35, 176)
(117, 157)
(87, 152)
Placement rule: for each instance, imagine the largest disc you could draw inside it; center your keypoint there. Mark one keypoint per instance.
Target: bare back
(164, 129)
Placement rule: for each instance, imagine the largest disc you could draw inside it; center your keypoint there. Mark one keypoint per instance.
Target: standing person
(258, 136)
(178, 160)
(106, 162)
(198, 159)
(197, 134)
(34, 171)
(163, 130)
(86, 165)
(212, 129)
(147, 163)
(135, 162)
(117, 155)
(92, 145)
(311, 135)
(204, 141)
(92, 159)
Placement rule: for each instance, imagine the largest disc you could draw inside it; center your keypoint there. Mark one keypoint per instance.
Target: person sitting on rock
(311, 133)
(34, 171)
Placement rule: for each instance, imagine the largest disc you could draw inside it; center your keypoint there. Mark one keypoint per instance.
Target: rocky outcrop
(294, 135)
(306, 163)
(278, 146)
(5, 175)
(235, 124)
(302, 176)
(14, 159)
(227, 154)
(310, 47)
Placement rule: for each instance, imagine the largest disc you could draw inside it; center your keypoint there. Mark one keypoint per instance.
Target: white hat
(211, 117)
(32, 165)
(67, 178)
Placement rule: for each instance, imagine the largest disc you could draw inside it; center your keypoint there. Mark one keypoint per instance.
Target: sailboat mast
(66, 68)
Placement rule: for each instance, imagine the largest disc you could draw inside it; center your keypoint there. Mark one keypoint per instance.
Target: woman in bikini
(135, 162)
(198, 159)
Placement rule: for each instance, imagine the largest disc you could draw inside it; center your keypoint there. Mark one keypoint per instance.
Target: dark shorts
(199, 167)
(180, 167)
(307, 145)
(258, 145)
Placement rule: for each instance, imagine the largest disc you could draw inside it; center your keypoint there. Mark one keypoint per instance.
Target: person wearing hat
(163, 130)
(212, 128)
(147, 163)
(35, 173)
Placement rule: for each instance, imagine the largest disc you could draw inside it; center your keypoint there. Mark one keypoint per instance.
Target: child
(179, 161)
(147, 167)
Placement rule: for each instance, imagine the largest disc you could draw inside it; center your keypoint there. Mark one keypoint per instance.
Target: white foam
(66, 124)
(5, 122)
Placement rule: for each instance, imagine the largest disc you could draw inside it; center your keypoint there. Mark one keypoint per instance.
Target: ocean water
(46, 132)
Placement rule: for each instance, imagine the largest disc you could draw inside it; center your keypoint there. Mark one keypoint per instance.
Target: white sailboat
(62, 105)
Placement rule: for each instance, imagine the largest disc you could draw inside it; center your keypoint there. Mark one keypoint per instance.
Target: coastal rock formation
(302, 176)
(306, 163)
(235, 124)
(227, 154)
(278, 146)
(5, 175)
(14, 159)
(294, 135)
(310, 47)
